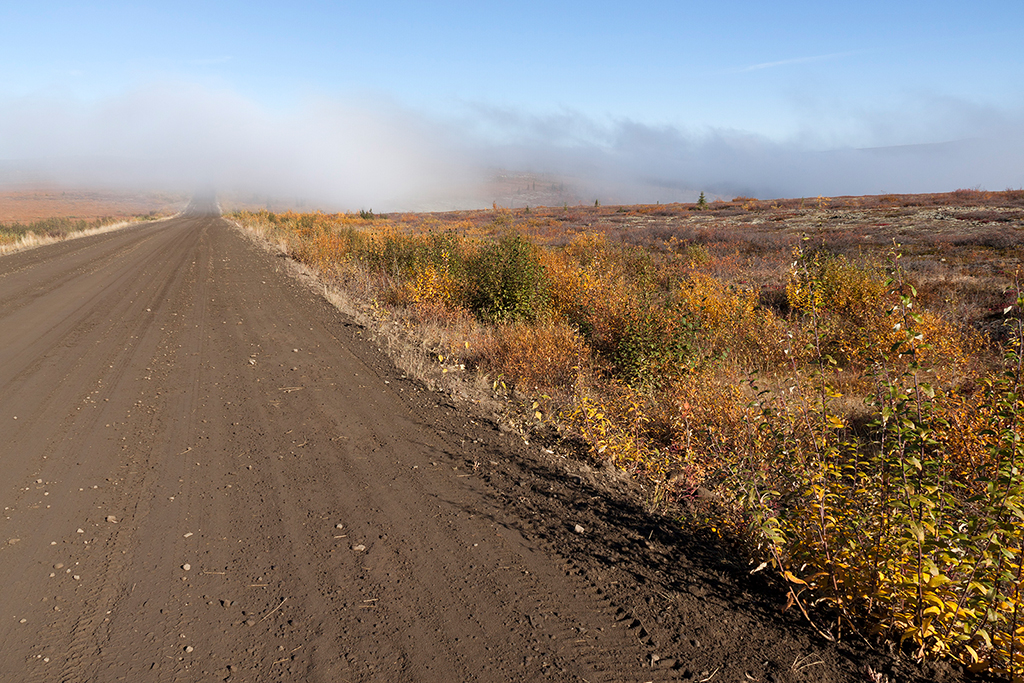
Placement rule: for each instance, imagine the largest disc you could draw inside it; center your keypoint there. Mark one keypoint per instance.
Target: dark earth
(210, 474)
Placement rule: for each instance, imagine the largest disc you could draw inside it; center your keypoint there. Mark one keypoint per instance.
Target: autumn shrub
(323, 249)
(730, 320)
(545, 357)
(612, 424)
(588, 287)
(50, 227)
(953, 351)
(653, 343)
(706, 411)
(889, 528)
(432, 270)
(570, 288)
(507, 282)
(847, 303)
(388, 251)
(616, 297)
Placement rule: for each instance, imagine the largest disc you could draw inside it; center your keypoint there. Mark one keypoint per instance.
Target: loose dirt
(209, 474)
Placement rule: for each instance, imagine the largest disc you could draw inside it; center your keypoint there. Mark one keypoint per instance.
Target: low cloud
(373, 153)
(953, 145)
(184, 137)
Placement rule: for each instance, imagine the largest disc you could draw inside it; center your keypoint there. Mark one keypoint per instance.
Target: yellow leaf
(790, 577)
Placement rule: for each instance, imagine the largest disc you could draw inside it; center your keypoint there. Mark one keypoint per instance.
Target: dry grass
(20, 240)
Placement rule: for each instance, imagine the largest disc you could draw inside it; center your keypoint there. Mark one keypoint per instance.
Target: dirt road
(207, 474)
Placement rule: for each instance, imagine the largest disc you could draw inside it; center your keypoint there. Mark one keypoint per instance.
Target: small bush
(848, 303)
(546, 357)
(653, 343)
(507, 282)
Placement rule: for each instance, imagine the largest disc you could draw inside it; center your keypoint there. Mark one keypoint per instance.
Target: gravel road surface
(208, 474)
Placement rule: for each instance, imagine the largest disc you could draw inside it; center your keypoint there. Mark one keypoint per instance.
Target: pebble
(186, 566)
(81, 531)
(112, 519)
(359, 548)
(578, 529)
(339, 526)
(13, 541)
(189, 648)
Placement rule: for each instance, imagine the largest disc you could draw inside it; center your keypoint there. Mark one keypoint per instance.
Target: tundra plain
(214, 474)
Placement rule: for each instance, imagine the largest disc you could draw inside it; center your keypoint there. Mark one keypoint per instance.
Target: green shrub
(507, 282)
(653, 342)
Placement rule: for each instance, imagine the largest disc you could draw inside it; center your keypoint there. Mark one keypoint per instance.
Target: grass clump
(49, 227)
(16, 236)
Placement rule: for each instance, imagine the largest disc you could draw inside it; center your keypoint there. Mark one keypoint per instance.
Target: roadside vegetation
(16, 236)
(835, 383)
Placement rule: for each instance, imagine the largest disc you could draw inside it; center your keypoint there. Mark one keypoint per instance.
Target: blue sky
(390, 98)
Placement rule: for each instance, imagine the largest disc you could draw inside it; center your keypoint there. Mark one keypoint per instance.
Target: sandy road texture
(207, 474)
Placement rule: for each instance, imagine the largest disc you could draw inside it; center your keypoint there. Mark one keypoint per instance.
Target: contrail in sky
(789, 62)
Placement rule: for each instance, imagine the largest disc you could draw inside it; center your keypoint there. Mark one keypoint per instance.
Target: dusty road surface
(207, 474)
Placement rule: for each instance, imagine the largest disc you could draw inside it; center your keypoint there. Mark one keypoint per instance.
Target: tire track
(229, 428)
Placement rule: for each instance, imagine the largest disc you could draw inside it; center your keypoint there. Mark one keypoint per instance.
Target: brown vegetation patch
(30, 205)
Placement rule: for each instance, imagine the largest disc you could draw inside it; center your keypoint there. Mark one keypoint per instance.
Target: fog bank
(369, 152)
